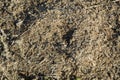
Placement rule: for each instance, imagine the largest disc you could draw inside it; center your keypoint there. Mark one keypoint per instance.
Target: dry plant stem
(28, 29)
(116, 0)
(3, 38)
(7, 53)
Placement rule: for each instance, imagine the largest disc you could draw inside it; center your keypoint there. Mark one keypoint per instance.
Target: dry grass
(63, 40)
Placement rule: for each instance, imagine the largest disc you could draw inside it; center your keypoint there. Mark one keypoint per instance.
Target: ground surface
(59, 40)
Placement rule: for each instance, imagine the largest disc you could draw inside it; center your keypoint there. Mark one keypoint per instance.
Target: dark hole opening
(68, 36)
(27, 77)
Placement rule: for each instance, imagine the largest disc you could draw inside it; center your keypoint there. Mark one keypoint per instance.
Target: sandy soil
(59, 40)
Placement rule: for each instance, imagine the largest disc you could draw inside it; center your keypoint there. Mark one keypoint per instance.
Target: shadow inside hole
(72, 77)
(26, 77)
(68, 36)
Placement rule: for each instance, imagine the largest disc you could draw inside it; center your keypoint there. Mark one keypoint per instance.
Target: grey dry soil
(59, 40)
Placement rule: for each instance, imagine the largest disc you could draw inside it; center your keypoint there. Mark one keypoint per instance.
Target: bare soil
(59, 40)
